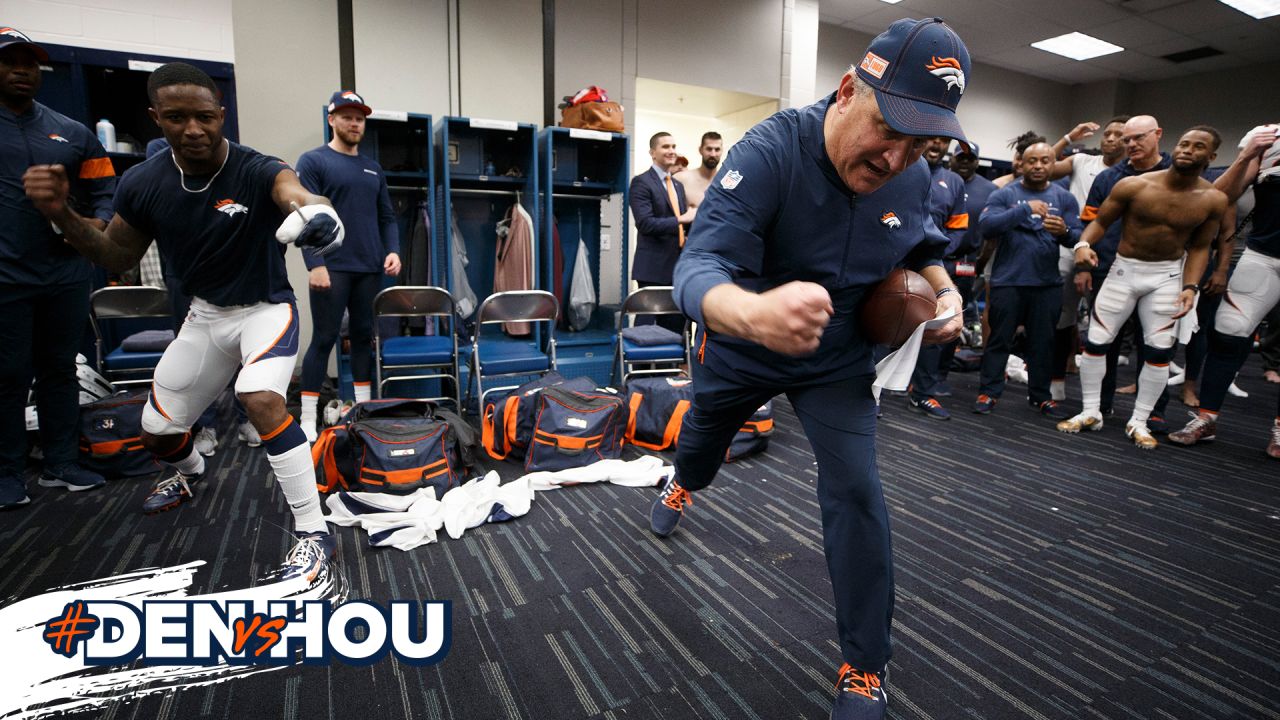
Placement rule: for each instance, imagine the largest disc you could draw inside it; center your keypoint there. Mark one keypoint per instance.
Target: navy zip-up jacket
(777, 211)
(31, 253)
(976, 191)
(947, 205)
(1098, 192)
(1027, 254)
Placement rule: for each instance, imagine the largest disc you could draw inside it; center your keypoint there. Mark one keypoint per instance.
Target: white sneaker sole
(55, 483)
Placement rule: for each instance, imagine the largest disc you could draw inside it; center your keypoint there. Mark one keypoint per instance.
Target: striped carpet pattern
(1039, 576)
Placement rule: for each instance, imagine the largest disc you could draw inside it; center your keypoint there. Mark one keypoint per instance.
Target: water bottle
(107, 135)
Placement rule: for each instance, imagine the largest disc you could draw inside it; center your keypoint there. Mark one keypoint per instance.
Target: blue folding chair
(417, 357)
(114, 304)
(496, 356)
(667, 358)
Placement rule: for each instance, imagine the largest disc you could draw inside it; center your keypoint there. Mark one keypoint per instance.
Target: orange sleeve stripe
(958, 222)
(308, 393)
(271, 435)
(94, 168)
(1089, 213)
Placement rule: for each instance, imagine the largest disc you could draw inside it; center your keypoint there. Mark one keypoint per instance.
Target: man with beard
(947, 206)
(349, 278)
(1168, 216)
(696, 180)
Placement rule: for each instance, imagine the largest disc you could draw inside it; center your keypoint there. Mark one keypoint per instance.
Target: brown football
(892, 310)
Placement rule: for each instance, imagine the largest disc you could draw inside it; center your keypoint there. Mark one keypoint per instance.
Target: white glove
(316, 227)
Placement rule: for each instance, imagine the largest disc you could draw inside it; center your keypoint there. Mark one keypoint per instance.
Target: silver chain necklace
(182, 176)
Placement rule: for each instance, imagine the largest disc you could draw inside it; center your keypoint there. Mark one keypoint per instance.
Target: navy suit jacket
(657, 237)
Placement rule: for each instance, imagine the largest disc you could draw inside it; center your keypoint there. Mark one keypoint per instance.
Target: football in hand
(892, 310)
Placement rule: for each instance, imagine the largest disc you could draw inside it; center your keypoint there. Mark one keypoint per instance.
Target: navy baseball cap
(345, 99)
(919, 69)
(967, 149)
(10, 37)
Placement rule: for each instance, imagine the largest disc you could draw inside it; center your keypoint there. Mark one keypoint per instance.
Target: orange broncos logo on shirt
(230, 207)
(947, 69)
(890, 220)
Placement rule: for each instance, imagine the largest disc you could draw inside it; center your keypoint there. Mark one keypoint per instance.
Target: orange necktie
(675, 207)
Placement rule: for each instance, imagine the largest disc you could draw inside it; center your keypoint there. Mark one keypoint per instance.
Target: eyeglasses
(1135, 138)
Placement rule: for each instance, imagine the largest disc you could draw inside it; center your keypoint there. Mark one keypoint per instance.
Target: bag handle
(670, 434)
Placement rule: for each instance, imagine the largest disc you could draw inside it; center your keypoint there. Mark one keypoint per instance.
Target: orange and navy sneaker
(667, 510)
(860, 695)
(984, 404)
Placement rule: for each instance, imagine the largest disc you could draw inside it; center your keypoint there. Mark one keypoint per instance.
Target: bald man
(1169, 216)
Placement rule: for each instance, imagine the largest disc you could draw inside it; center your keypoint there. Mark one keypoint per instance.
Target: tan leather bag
(606, 116)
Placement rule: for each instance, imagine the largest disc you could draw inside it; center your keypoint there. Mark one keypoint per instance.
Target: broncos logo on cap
(230, 207)
(890, 220)
(352, 96)
(13, 32)
(949, 70)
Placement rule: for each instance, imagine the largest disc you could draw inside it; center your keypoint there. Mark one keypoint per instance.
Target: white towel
(894, 371)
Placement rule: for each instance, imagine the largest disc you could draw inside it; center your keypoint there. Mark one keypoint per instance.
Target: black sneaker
(13, 492)
(72, 477)
(860, 695)
(930, 407)
(1051, 409)
(310, 556)
(668, 508)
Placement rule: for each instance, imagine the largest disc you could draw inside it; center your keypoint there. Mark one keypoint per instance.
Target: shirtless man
(1168, 216)
(696, 180)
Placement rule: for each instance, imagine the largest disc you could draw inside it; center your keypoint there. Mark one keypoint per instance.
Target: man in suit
(662, 219)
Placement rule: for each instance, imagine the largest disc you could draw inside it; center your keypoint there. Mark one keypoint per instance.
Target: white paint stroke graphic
(36, 682)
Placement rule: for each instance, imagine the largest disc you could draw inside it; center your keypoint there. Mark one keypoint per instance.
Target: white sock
(1151, 382)
(297, 477)
(1058, 390)
(1093, 368)
(364, 391)
(192, 464)
(307, 421)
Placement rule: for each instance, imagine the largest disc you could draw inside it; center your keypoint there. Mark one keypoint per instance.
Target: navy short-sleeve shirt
(218, 242)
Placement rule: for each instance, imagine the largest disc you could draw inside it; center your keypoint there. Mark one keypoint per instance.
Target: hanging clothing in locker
(513, 269)
(463, 296)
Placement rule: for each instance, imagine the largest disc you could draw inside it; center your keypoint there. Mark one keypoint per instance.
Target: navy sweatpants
(351, 292)
(40, 331)
(1037, 310)
(840, 421)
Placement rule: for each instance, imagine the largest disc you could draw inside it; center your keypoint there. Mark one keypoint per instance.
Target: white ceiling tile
(1076, 73)
(1026, 58)
(1146, 6)
(1074, 13)
(1251, 36)
(1197, 15)
(1129, 61)
(1134, 32)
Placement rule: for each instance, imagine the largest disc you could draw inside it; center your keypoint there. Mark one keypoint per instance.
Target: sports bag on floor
(575, 429)
(111, 436)
(506, 426)
(394, 446)
(655, 410)
(754, 436)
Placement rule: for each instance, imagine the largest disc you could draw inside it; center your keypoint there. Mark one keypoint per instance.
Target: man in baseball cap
(348, 99)
(810, 210)
(12, 37)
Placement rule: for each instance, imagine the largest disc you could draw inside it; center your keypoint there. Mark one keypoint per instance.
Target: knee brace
(1158, 356)
(1229, 345)
(1096, 348)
